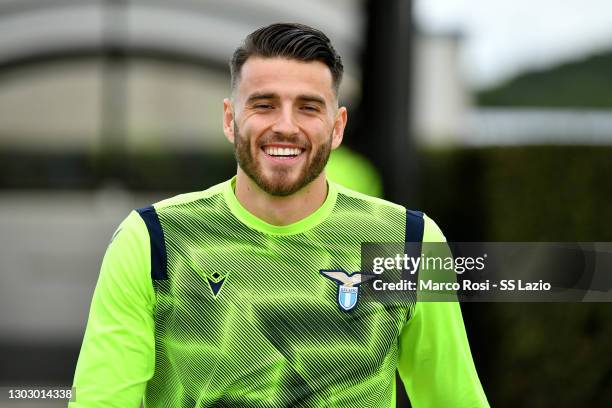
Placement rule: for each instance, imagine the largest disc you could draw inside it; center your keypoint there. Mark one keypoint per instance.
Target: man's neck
(280, 210)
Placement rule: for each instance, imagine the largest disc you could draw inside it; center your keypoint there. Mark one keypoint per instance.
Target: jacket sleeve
(117, 354)
(435, 362)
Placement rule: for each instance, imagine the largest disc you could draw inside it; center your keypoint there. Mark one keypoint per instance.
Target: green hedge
(530, 355)
(537, 193)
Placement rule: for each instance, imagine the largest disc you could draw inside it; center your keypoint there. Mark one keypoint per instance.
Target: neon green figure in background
(354, 171)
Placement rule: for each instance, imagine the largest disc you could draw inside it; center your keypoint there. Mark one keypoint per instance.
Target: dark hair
(288, 40)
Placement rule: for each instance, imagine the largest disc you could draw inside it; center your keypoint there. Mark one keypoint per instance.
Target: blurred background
(494, 117)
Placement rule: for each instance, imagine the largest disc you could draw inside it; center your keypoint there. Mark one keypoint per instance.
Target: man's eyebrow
(257, 96)
(312, 98)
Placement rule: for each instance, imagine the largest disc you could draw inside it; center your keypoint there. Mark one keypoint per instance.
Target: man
(230, 297)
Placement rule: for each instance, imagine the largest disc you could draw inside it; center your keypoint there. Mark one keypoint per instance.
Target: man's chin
(281, 188)
(280, 183)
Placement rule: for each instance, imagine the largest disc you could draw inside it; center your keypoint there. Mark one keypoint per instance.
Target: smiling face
(283, 120)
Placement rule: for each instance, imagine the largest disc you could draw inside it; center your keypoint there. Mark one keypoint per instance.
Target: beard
(281, 182)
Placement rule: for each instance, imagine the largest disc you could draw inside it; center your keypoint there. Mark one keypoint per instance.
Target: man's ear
(339, 126)
(228, 120)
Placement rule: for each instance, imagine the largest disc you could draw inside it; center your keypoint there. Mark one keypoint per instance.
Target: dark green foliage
(582, 84)
(530, 355)
(546, 355)
(536, 193)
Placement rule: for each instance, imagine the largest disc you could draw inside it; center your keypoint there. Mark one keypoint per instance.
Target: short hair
(288, 40)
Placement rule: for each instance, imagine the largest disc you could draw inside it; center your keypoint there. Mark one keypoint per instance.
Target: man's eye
(263, 106)
(310, 108)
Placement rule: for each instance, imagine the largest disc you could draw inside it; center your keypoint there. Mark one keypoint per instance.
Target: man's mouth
(282, 152)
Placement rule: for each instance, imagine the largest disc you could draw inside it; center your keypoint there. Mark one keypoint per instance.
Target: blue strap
(159, 258)
(415, 225)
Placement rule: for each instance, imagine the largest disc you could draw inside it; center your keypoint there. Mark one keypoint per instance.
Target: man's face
(284, 121)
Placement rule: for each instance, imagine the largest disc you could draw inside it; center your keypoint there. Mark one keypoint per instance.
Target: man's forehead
(272, 75)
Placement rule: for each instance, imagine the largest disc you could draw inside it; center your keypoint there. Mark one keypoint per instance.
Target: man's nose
(285, 122)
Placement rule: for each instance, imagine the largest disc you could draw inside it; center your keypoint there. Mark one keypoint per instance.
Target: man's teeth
(282, 151)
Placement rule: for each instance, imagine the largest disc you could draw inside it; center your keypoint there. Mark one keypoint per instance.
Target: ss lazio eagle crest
(348, 286)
